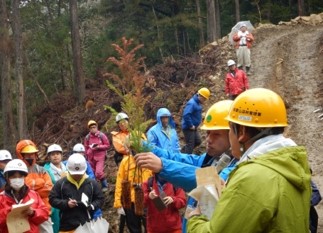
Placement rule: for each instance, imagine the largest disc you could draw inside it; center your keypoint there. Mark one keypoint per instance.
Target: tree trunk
(217, 20)
(159, 37)
(237, 10)
(22, 116)
(8, 130)
(301, 7)
(79, 84)
(211, 30)
(200, 23)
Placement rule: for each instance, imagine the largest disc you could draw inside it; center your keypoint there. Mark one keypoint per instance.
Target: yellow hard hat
(91, 122)
(204, 92)
(215, 116)
(260, 108)
(29, 149)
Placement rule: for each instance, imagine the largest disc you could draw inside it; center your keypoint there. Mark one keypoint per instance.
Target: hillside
(286, 58)
(289, 60)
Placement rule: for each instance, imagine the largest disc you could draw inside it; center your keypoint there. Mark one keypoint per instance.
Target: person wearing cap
(119, 137)
(192, 118)
(56, 170)
(179, 169)
(271, 182)
(163, 134)
(96, 145)
(5, 157)
(17, 192)
(76, 195)
(236, 81)
(37, 179)
(243, 41)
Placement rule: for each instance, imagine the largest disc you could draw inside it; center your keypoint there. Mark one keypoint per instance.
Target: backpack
(87, 137)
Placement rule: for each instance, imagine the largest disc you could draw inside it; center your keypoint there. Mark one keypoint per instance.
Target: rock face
(313, 19)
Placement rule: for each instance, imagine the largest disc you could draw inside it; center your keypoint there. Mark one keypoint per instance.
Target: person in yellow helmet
(96, 145)
(192, 118)
(179, 168)
(270, 190)
(37, 179)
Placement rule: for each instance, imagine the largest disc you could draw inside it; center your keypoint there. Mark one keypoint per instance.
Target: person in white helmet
(37, 178)
(69, 194)
(56, 170)
(119, 137)
(17, 192)
(5, 157)
(55, 167)
(118, 140)
(80, 149)
(236, 80)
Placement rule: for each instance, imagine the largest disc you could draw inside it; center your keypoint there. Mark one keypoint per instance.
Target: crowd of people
(267, 182)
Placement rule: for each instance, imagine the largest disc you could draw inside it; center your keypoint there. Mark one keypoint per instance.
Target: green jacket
(269, 193)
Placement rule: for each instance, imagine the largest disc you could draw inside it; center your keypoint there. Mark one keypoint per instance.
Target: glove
(120, 211)
(168, 200)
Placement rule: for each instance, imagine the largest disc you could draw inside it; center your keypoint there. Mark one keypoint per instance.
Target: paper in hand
(85, 199)
(16, 220)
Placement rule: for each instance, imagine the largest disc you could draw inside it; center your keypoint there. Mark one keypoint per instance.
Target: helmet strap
(263, 132)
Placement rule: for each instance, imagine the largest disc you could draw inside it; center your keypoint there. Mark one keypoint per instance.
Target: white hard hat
(54, 147)
(120, 116)
(76, 164)
(5, 155)
(231, 62)
(16, 165)
(79, 148)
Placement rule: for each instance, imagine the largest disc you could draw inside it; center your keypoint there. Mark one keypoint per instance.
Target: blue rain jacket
(192, 114)
(164, 138)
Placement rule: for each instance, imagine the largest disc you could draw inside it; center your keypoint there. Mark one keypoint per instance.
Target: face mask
(17, 183)
(30, 161)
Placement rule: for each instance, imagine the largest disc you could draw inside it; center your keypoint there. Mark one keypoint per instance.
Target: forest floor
(285, 58)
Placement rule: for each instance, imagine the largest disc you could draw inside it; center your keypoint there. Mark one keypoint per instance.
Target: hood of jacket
(290, 162)
(164, 112)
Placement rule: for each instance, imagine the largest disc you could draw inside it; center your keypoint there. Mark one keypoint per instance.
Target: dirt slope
(289, 60)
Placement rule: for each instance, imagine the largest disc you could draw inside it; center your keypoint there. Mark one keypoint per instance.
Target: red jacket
(249, 39)
(167, 220)
(40, 216)
(236, 82)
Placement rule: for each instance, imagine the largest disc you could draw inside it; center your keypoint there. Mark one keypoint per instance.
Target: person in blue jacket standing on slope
(192, 118)
(163, 134)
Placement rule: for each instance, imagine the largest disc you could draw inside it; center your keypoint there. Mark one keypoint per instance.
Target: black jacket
(63, 190)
